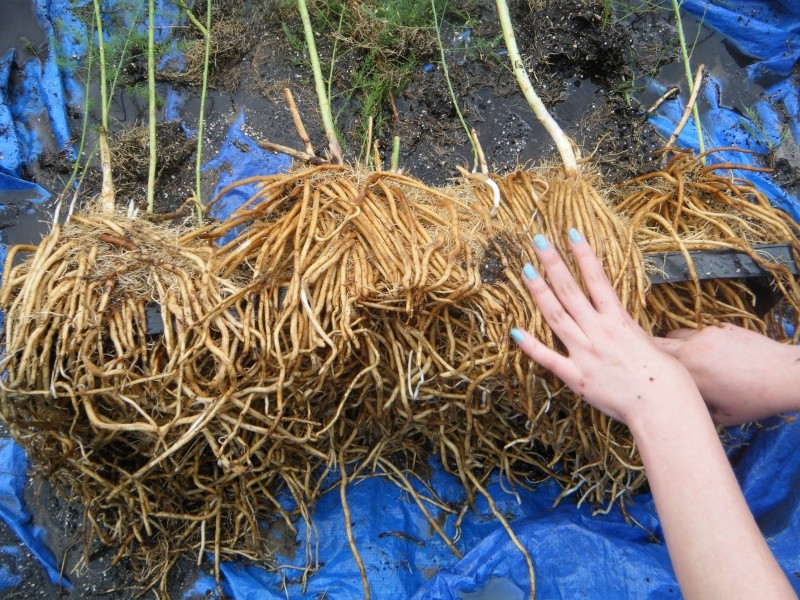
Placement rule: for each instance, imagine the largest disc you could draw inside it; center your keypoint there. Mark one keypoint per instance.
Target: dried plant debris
(130, 155)
(232, 37)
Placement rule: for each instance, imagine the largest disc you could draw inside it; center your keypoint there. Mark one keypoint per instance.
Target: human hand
(615, 366)
(611, 363)
(742, 375)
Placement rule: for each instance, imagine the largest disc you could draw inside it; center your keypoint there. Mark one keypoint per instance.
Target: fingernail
(517, 335)
(529, 272)
(574, 236)
(540, 242)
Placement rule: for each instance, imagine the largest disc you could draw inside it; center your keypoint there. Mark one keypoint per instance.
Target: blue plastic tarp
(724, 128)
(34, 111)
(13, 475)
(580, 556)
(10, 148)
(766, 31)
(11, 558)
(576, 553)
(240, 157)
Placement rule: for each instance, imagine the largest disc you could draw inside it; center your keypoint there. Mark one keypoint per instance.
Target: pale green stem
(107, 186)
(203, 92)
(395, 153)
(446, 74)
(689, 78)
(190, 15)
(76, 167)
(151, 92)
(117, 71)
(86, 171)
(102, 53)
(538, 107)
(319, 83)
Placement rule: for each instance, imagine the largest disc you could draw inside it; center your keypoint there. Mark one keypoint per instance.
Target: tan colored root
(358, 319)
(348, 526)
(687, 207)
(514, 539)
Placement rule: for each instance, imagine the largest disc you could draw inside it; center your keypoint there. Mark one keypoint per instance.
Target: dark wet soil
(589, 69)
(582, 64)
(26, 35)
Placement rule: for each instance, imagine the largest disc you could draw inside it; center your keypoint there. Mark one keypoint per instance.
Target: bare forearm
(716, 548)
(772, 386)
(743, 375)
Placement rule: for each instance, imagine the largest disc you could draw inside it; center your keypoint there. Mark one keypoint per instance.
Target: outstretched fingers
(573, 318)
(594, 276)
(560, 365)
(553, 311)
(566, 289)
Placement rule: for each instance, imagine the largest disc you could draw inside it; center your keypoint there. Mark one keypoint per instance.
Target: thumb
(670, 346)
(679, 334)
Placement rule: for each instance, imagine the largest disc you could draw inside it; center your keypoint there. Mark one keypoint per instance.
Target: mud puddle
(21, 30)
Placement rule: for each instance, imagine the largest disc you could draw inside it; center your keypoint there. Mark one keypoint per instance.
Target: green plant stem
(86, 171)
(368, 143)
(102, 54)
(76, 167)
(538, 107)
(446, 74)
(190, 15)
(319, 83)
(151, 90)
(396, 153)
(107, 187)
(688, 70)
(203, 92)
(111, 91)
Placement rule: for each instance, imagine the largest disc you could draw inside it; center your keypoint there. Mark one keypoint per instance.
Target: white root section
(536, 104)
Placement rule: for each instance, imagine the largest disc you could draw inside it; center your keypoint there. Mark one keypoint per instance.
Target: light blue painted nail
(574, 236)
(541, 242)
(529, 272)
(518, 336)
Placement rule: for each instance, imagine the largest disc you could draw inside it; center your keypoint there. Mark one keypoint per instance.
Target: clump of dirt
(58, 162)
(785, 160)
(130, 150)
(786, 173)
(618, 139)
(573, 37)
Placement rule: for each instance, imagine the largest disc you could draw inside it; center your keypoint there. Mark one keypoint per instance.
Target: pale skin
(742, 375)
(715, 546)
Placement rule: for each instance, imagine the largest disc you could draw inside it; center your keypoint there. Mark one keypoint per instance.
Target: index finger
(594, 276)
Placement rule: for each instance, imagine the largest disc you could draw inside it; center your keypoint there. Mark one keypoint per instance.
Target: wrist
(785, 374)
(669, 416)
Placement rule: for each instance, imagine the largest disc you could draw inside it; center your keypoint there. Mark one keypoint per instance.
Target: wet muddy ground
(590, 69)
